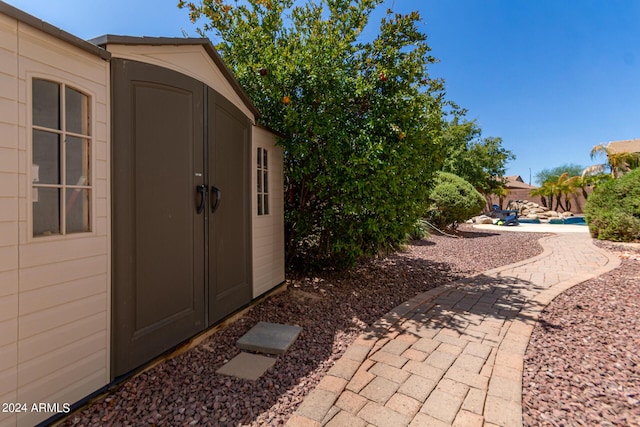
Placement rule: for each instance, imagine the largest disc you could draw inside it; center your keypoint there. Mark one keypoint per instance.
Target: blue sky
(552, 78)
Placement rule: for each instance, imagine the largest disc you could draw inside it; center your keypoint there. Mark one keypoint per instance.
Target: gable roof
(513, 178)
(104, 41)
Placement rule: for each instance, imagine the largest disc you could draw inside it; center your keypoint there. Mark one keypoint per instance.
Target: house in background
(519, 190)
(517, 187)
(625, 146)
(140, 203)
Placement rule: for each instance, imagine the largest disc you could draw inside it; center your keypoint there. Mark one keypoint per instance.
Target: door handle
(201, 198)
(215, 202)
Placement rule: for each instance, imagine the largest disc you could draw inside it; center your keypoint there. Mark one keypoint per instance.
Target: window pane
(77, 210)
(77, 152)
(265, 205)
(259, 157)
(46, 211)
(265, 182)
(259, 181)
(46, 104)
(264, 159)
(259, 204)
(46, 157)
(76, 111)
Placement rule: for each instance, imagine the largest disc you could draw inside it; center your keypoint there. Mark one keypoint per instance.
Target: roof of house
(625, 146)
(512, 178)
(516, 182)
(519, 185)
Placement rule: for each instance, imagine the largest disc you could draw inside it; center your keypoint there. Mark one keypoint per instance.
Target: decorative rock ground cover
(333, 309)
(582, 365)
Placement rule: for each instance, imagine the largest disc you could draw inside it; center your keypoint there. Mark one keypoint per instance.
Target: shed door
(181, 230)
(158, 236)
(229, 239)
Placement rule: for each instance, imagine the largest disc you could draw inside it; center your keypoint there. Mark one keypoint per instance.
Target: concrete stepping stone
(247, 366)
(269, 338)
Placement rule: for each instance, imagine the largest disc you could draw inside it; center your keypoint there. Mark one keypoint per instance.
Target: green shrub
(612, 211)
(420, 231)
(452, 201)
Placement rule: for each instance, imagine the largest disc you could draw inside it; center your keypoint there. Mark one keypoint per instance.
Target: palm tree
(541, 192)
(574, 185)
(555, 188)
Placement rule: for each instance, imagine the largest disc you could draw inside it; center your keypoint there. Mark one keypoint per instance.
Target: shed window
(61, 147)
(263, 181)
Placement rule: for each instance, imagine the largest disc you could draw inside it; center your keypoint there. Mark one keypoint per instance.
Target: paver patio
(453, 355)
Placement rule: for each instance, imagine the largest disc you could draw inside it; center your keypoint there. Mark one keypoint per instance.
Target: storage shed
(139, 205)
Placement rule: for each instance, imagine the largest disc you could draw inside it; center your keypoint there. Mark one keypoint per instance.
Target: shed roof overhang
(108, 39)
(54, 31)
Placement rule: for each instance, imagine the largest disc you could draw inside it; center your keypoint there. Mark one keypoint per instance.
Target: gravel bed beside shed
(333, 308)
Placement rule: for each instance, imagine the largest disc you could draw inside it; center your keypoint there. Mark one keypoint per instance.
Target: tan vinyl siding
(64, 385)
(267, 230)
(54, 291)
(8, 215)
(59, 58)
(192, 61)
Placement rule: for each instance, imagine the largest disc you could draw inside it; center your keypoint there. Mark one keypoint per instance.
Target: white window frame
(63, 186)
(262, 177)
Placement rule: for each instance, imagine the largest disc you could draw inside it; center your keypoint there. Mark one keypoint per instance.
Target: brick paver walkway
(453, 355)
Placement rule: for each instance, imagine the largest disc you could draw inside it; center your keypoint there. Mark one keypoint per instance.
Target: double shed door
(180, 222)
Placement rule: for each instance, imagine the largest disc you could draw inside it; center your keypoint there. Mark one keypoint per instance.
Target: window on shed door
(263, 181)
(61, 147)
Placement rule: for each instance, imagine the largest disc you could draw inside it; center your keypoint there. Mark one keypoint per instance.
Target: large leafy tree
(360, 119)
(479, 161)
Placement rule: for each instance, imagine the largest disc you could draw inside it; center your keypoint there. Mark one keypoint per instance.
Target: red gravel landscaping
(333, 308)
(582, 365)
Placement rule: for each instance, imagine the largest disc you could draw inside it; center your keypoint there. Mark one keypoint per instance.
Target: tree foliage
(612, 211)
(452, 201)
(361, 119)
(479, 161)
(553, 173)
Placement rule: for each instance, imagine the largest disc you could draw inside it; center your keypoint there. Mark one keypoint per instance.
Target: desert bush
(452, 200)
(612, 211)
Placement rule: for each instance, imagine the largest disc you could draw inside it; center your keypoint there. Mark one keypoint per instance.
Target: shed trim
(107, 39)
